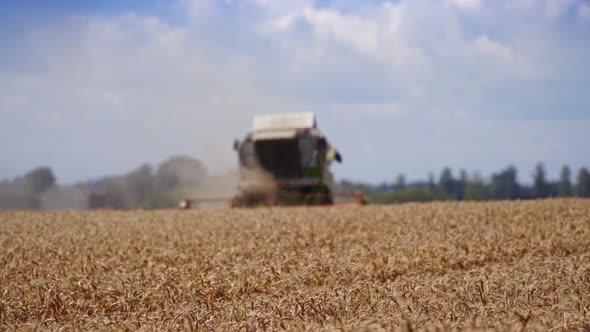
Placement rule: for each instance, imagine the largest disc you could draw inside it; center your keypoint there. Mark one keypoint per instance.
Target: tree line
(183, 177)
(144, 187)
(501, 185)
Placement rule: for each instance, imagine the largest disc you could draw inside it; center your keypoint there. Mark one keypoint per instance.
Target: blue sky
(98, 87)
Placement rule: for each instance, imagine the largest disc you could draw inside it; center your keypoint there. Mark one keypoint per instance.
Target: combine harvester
(285, 161)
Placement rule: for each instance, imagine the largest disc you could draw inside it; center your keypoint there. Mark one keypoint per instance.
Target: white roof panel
(274, 134)
(282, 121)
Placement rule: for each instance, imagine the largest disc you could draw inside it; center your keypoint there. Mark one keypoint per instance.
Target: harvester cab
(285, 160)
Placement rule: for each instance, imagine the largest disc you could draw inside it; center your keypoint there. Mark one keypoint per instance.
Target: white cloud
(329, 24)
(484, 45)
(374, 36)
(360, 33)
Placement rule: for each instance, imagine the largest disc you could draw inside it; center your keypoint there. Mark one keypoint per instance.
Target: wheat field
(434, 266)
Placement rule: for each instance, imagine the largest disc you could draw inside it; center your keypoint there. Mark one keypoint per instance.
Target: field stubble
(502, 265)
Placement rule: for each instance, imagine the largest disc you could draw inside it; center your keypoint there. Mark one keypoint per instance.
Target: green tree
(180, 171)
(504, 185)
(462, 185)
(431, 184)
(19, 200)
(565, 185)
(475, 188)
(40, 179)
(583, 183)
(115, 197)
(139, 184)
(446, 182)
(400, 182)
(540, 186)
